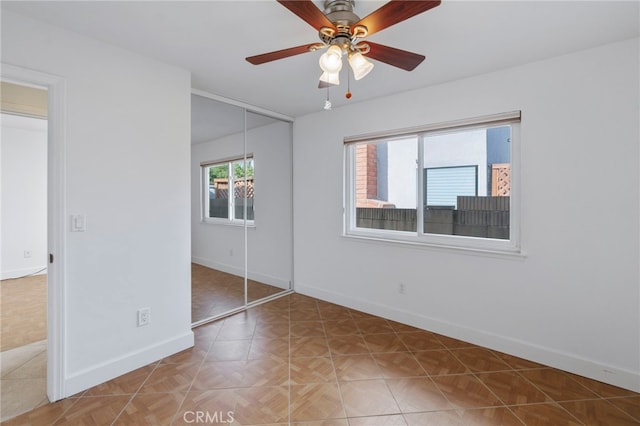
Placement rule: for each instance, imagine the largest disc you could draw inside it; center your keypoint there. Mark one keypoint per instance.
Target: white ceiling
(459, 39)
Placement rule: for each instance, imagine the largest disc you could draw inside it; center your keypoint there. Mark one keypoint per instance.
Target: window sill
(235, 224)
(474, 251)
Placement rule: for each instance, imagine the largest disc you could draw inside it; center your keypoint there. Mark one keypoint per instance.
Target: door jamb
(56, 224)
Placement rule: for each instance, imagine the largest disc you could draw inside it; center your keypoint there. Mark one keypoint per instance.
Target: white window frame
(511, 246)
(204, 183)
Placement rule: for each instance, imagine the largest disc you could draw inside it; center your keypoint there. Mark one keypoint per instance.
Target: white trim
(420, 201)
(485, 252)
(232, 211)
(478, 245)
(25, 272)
(237, 271)
(221, 161)
(246, 106)
(447, 126)
(231, 205)
(572, 363)
(56, 223)
(515, 194)
(224, 267)
(115, 367)
(293, 216)
(240, 223)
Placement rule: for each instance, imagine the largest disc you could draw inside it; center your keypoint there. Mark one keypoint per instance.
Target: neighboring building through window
(228, 187)
(461, 174)
(443, 185)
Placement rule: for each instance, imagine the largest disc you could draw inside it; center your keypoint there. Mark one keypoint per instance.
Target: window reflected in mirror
(241, 208)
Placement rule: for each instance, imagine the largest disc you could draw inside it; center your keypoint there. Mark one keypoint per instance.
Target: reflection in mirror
(269, 235)
(241, 207)
(217, 221)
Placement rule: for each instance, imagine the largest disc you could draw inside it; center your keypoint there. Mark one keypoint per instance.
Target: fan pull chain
(327, 103)
(348, 94)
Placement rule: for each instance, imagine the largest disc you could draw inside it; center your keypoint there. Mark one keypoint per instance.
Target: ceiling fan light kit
(360, 66)
(331, 60)
(341, 32)
(332, 78)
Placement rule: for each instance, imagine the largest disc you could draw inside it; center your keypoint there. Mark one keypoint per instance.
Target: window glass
(385, 185)
(243, 188)
(227, 186)
(218, 187)
(460, 176)
(462, 171)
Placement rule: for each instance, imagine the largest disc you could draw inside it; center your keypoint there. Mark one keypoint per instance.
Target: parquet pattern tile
(368, 398)
(124, 385)
(314, 401)
(631, 406)
(23, 311)
(214, 292)
(356, 367)
(300, 361)
(152, 408)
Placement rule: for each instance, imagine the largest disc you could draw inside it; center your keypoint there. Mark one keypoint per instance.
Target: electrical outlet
(144, 316)
(230, 252)
(401, 288)
(27, 254)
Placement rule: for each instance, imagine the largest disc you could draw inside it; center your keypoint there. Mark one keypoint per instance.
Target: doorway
(55, 227)
(24, 147)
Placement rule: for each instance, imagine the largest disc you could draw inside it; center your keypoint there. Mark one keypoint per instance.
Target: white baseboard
(270, 280)
(230, 269)
(548, 356)
(111, 369)
(224, 267)
(17, 273)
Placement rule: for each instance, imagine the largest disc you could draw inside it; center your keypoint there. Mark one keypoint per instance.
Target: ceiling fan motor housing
(340, 13)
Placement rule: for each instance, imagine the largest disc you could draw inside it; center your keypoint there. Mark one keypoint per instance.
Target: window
(228, 190)
(450, 184)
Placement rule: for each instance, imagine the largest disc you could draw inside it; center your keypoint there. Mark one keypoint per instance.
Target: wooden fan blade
(393, 12)
(308, 12)
(280, 54)
(392, 56)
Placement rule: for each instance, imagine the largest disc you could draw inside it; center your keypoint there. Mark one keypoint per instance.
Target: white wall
(573, 300)
(269, 241)
(127, 170)
(23, 148)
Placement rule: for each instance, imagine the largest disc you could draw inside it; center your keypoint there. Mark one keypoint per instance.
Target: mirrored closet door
(241, 196)
(270, 239)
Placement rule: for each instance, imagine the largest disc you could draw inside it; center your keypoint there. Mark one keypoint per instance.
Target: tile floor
(23, 322)
(214, 292)
(24, 379)
(298, 360)
(23, 316)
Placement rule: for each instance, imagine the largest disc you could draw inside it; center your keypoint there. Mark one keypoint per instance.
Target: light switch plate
(78, 223)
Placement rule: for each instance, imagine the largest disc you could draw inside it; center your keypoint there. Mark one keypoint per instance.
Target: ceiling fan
(342, 32)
